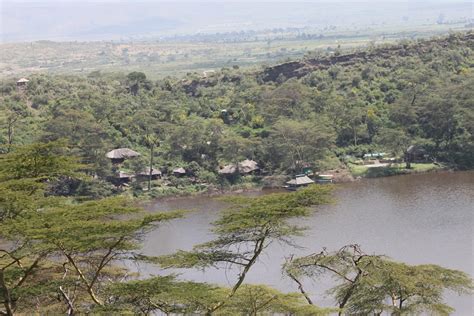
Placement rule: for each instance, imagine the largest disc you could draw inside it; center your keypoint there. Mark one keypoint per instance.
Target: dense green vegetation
(59, 255)
(324, 111)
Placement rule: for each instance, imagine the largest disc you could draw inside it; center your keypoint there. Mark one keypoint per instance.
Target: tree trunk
(151, 167)
(88, 286)
(70, 305)
(349, 293)
(10, 136)
(301, 289)
(407, 161)
(7, 301)
(354, 131)
(257, 251)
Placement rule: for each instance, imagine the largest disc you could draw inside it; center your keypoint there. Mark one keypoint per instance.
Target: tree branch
(300, 288)
(259, 246)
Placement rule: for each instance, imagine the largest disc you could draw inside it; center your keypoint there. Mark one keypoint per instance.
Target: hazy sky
(27, 20)
(230, 1)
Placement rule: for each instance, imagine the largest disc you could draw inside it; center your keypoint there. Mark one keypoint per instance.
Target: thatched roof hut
(179, 171)
(300, 181)
(246, 166)
(21, 84)
(228, 169)
(121, 154)
(124, 175)
(154, 172)
(415, 153)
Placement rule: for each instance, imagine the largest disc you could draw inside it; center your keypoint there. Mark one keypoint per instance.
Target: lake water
(417, 219)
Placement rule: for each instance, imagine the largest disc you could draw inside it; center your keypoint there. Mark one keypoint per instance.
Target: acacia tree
(167, 295)
(245, 230)
(260, 299)
(135, 79)
(12, 114)
(394, 140)
(373, 284)
(84, 239)
(236, 148)
(51, 246)
(293, 143)
(86, 137)
(26, 172)
(198, 140)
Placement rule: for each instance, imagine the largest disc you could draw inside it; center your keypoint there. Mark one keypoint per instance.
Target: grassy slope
(395, 169)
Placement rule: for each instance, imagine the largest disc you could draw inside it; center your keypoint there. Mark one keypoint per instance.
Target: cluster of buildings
(245, 167)
(119, 155)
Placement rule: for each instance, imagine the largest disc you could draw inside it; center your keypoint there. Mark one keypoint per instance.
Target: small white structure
(22, 84)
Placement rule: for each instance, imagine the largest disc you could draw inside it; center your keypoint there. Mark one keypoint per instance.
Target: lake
(417, 219)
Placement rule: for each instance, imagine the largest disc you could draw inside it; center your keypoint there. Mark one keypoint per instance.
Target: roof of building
(228, 169)
(326, 176)
(415, 149)
(300, 181)
(22, 80)
(154, 172)
(124, 175)
(121, 153)
(245, 166)
(374, 155)
(179, 170)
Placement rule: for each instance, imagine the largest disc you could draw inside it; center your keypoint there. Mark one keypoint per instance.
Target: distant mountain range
(119, 20)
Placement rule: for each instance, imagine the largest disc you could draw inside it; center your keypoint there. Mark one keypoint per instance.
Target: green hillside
(321, 112)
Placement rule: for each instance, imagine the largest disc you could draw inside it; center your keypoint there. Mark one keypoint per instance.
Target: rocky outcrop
(298, 69)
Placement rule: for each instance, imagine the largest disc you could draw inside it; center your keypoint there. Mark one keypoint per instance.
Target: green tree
(84, 239)
(52, 246)
(169, 296)
(245, 230)
(394, 140)
(292, 144)
(84, 134)
(135, 79)
(236, 148)
(12, 114)
(365, 283)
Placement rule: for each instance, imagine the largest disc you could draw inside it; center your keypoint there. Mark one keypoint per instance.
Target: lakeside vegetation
(319, 113)
(67, 224)
(63, 255)
(392, 170)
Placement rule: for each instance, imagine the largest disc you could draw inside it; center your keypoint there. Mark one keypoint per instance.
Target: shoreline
(259, 187)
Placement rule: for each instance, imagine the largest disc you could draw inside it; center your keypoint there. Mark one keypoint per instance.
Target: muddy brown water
(418, 219)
